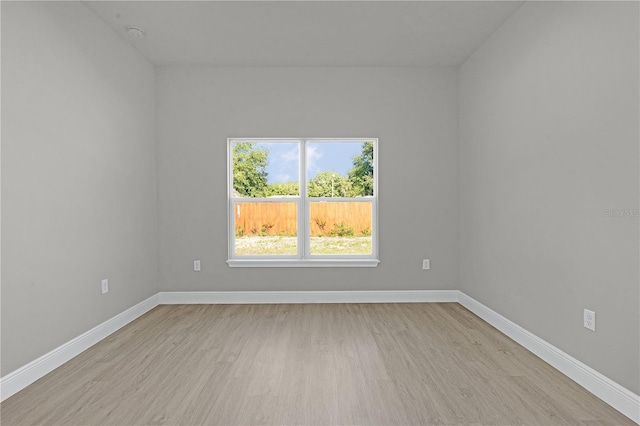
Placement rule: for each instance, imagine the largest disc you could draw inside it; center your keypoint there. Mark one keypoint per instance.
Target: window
(302, 202)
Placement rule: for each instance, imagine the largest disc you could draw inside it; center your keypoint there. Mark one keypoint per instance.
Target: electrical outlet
(590, 320)
(425, 264)
(196, 265)
(105, 286)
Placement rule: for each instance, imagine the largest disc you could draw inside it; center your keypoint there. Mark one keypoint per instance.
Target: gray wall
(412, 111)
(79, 198)
(549, 142)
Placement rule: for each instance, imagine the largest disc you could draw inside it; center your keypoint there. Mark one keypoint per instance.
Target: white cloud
(313, 154)
(291, 155)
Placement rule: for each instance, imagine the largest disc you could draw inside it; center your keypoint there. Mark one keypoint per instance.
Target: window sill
(306, 263)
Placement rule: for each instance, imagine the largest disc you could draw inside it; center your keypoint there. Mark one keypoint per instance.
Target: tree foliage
(361, 175)
(329, 184)
(250, 169)
(283, 189)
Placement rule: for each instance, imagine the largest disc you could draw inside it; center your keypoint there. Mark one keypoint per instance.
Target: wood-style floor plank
(322, 364)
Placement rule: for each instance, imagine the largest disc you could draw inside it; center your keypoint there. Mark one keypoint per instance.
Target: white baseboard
(620, 398)
(601, 386)
(27, 374)
(264, 297)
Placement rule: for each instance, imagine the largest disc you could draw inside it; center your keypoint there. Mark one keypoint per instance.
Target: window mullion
(303, 230)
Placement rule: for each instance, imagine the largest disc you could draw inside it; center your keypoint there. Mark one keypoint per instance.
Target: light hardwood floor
(369, 364)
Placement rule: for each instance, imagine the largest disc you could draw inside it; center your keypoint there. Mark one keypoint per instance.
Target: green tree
(361, 175)
(250, 169)
(283, 188)
(329, 184)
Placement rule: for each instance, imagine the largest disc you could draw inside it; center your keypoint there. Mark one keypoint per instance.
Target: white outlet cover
(425, 264)
(590, 320)
(105, 286)
(196, 265)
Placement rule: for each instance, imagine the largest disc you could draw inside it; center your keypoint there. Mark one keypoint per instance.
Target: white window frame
(303, 258)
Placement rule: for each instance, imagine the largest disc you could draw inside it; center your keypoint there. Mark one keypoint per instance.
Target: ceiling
(307, 33)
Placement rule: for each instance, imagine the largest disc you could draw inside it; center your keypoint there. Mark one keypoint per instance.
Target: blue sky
(321, 156)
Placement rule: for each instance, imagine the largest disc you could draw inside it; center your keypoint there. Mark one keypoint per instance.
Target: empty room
(320, 213)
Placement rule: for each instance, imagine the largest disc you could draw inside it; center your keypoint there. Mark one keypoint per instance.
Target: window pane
(339, 168)
(266, 169)
(266, 228)
(340, 228)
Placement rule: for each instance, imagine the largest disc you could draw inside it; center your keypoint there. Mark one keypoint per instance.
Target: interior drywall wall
(79, 196)
(549, 178)
(412, 111)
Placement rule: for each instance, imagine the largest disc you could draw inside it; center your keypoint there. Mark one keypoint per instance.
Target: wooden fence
(280, 218)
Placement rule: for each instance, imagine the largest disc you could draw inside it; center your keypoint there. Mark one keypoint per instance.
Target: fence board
(259, 218)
